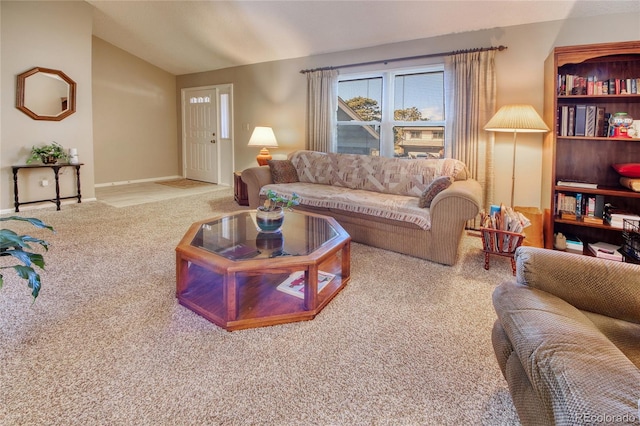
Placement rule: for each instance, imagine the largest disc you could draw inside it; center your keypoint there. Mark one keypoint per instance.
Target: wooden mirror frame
(21, 87)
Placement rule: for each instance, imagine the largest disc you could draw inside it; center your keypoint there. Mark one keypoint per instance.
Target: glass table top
(237, 237)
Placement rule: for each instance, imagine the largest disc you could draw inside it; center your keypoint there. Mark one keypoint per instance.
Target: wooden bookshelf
(589, 159)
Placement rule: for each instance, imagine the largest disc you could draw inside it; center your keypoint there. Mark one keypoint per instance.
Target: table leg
(78, 181)
(56, 172)
(15, 190)
(182, 270)
(231, 296)
(346, 260)
(311, 288)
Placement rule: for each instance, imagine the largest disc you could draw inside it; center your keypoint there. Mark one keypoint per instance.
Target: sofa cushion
(346, 170)
(379, 174)
(388, 206)
(406, 177)
(283, 171)
(312, 166)
(437, 186)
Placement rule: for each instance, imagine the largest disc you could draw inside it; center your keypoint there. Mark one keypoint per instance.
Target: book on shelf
(590, 121)
(581, 120)
(577, 184)
(574, 244)
(615, 217)
(568, 215)
(606, 251)
(570, 85)
(607, 127)
(571, 125)
(579, 204)
(564, 121)
(600, 122)
(294, 284)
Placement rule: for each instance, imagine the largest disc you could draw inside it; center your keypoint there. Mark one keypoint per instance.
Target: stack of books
(574, 244)
(615, 217)
(606, 251)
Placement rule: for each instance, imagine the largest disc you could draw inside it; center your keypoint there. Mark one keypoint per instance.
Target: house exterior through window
(392, 113)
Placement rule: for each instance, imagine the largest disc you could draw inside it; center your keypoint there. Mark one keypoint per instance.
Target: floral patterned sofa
(416, 207)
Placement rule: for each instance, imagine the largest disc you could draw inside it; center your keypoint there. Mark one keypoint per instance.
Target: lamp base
(263, 157)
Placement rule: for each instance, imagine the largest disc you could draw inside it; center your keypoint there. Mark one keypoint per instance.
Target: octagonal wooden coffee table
(237, 277)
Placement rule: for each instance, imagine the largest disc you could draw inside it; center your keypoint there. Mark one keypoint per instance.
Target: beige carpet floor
(407, 342)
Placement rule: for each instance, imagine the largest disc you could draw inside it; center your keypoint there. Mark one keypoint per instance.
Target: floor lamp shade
(264, 138)
(517, 119)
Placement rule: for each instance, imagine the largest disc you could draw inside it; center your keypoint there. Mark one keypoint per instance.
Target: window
(397, 113)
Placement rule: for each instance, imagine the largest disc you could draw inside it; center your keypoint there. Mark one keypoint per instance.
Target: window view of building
(397, 114)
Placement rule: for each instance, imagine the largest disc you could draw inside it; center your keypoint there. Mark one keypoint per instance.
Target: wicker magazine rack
(631, 247)
(501, 243)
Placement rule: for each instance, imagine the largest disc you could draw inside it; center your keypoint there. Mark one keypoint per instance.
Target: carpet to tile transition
(184, 183)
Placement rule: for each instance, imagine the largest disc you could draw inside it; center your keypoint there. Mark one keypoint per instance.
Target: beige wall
(274, 93)
(134, 118)
(52, 35)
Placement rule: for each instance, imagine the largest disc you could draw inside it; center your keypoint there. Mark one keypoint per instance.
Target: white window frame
(387, 122)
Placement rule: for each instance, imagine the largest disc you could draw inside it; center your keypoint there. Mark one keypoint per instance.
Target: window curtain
(470, 100)
(322, 104)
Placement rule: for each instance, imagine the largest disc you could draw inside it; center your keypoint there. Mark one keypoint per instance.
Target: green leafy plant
(17, 246)
(47, 153)
(274, 201)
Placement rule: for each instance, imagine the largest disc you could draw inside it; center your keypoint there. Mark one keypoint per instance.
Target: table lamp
(516, 119)
(264, 137)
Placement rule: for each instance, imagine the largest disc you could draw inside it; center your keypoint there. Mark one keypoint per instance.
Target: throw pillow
(282, 171)
(630, 170)
(438, 185)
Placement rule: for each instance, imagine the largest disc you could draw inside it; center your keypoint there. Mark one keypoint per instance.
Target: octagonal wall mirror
(46, 94)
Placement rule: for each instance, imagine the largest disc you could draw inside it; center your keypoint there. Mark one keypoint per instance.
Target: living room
(127, 128)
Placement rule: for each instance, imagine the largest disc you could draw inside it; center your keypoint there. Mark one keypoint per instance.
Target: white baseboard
(128, 182)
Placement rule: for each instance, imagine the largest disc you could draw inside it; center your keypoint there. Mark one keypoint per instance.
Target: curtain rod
(407, 58)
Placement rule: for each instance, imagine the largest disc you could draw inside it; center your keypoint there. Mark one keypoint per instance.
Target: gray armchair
(567, 338)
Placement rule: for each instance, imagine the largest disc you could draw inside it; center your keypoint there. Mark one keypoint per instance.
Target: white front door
(207, 134)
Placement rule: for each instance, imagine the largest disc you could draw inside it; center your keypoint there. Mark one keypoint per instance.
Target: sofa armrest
(590, 284)
(255, 178)
(449, 212)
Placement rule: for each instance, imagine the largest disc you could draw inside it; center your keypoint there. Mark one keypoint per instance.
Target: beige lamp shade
(517, 119)
(265, 138)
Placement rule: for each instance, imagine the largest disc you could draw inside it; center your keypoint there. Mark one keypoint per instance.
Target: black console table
(56, 171)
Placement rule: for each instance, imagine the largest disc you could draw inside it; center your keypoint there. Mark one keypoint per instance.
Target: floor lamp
(516, 119)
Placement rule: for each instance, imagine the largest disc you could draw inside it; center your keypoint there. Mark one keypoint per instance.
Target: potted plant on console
(270, 216)
(48, 154)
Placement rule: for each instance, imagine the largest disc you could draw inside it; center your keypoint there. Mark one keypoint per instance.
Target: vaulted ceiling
(184, 37)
